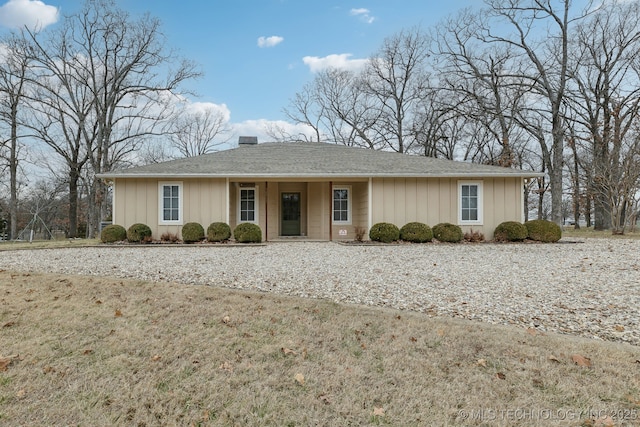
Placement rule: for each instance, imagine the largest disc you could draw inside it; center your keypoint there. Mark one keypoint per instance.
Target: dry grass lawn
(99, 352)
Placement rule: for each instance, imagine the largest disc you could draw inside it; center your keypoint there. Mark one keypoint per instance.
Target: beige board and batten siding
(436, 200)
(137, 201)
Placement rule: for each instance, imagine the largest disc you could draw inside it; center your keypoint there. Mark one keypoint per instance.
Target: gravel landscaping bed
(589, 288)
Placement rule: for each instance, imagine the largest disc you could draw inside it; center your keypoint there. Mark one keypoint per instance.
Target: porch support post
(330, 211)
(228, 197)
(370, 207)
(266, 211)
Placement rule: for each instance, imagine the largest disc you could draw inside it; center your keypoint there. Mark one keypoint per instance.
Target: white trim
(161, 185)
(480, 206)
(256, 205)
(349, 210)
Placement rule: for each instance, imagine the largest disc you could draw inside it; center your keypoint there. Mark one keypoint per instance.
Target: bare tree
(483, 80)
(605, 98)
(397, 78)
(125, 75)
(375, 108)
(199, 132)
(14, 65)
(539, 31)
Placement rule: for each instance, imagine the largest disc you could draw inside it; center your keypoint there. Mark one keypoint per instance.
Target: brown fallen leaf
(604, 421)
(118, 313)
(501, 376)
(299, 378)
(378, 412)
(288, 351)
(8, 324)
(580, 360)
(156, 358)
(87, 351)
(554, 359)
(4, 363)
(619, 328)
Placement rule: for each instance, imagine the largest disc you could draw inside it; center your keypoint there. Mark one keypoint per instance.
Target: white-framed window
(341, 205)
(470, 202)
(248, 204)
(170, 201)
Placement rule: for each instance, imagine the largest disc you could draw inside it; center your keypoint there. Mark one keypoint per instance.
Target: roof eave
(522, 174)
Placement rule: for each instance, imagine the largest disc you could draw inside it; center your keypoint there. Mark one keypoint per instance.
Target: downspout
(266, 211)
(330, 211)
(113, 202)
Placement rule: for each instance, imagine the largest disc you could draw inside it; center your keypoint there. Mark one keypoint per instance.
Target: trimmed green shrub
(447, 232)
(218, 232)
(384, 232)
(192, 232)
(113, 233)
(138, 233)
(542, 230)
(416, 232)
(510, 231)
(247, 232)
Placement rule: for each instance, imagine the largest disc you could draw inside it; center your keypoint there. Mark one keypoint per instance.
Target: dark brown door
(290, 214)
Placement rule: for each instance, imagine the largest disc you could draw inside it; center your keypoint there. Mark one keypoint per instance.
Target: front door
(290, 214)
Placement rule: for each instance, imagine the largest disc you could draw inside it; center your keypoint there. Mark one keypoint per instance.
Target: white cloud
(33, 14)
(341, 61)
(363, 14)
(201, 107)
(269, 41)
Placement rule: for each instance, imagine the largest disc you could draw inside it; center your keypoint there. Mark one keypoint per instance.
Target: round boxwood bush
(384, 232)
(247, 232)
(113, 233)
(510, 231)
(447, 232)
(416, 232)
(192, 232)
(542, 230)
(138, 233)
(218, 232)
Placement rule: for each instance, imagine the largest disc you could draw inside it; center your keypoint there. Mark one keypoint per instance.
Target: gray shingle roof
(312, 160)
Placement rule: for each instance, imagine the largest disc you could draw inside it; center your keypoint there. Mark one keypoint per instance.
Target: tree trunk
(74, 177)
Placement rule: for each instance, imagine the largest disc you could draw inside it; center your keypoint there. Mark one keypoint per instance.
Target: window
(248, 209)
(470, 202)
(170, 202)
(342, 205)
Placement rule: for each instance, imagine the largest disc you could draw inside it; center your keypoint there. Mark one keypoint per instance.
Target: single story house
(317, 191)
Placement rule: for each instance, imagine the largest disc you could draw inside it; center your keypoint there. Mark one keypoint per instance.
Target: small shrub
(510, 231)
(169, 237)
(416, 232)
(473, 236)
(192, 232)
(360, 232)
(384, 232)
(247, 232)
(138, 233)
(447, 232)
(113, 233)
(218, 232)
(542, 230)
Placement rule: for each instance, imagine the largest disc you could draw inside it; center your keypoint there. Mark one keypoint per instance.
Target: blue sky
(256, 54)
